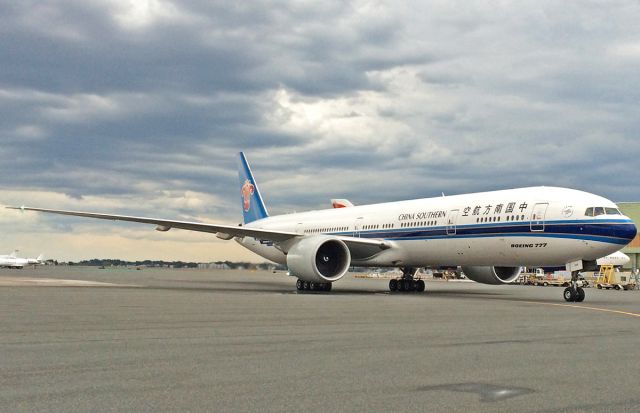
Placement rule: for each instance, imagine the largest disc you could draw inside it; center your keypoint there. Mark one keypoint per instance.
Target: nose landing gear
(574, 293)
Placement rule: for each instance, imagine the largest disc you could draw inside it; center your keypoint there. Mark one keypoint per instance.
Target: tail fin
(40, 258)
(252, 206)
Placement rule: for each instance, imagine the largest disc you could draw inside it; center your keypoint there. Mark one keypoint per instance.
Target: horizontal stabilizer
(341, 203)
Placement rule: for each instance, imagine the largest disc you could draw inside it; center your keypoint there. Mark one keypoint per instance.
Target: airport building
(632, 210)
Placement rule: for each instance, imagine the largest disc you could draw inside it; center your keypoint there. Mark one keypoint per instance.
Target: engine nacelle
(319, 259)
(492, 275)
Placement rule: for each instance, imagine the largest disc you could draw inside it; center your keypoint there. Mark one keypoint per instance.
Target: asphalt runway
(161, 340)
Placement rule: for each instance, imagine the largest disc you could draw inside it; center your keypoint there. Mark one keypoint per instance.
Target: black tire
(580, 295)
(401, 285)
(544, 284)
(420, 286)
(616, 287)
(299, 285)
(599, 286)
(327, 287)
(569, 294)
(306, 285)
(393, 285)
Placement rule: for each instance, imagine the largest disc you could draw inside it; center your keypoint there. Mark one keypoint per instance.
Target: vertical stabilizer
(252, 205)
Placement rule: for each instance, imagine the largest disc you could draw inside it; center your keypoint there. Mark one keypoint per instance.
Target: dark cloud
(125, 100)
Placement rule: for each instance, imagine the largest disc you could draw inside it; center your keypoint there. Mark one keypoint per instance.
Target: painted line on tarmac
(604, 310)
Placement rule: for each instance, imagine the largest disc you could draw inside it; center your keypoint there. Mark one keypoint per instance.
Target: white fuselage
(537, 226)
(617, 259)
(13, 262)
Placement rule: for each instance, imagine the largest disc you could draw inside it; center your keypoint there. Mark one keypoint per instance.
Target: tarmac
(76, 339)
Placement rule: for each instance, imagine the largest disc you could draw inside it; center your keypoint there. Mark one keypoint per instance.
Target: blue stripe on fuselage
(619, 232)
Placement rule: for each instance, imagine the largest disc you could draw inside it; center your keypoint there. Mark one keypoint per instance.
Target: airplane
(12, 261)
(617, 259)
(489, 234)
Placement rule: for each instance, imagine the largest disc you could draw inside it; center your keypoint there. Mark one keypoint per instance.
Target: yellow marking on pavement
(605, 310)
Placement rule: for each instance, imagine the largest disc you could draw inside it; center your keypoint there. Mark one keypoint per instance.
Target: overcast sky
(140, 107)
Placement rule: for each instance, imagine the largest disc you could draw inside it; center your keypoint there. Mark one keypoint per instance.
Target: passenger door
(537, 217)
(452, 218)
(357, 227)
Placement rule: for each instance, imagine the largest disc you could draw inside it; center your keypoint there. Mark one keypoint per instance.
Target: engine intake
(319, 259)
(492, 275)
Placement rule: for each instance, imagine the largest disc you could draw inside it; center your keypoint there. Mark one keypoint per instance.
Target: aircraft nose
(634, 231)
(627, 231)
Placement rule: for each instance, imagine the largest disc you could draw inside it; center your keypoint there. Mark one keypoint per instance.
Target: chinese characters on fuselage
(476, 210)
(490, 209)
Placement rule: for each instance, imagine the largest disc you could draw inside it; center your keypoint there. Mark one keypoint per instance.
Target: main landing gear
(312, 286)
(408, 282)
(574, 293)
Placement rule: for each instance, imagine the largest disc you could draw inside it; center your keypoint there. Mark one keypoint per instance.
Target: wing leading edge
(222, 231)
(165, 224)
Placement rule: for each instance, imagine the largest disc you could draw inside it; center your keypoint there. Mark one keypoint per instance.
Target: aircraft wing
(223, 231)
(166, 224)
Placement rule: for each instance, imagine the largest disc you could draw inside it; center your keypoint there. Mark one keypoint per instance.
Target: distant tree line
(107, 262)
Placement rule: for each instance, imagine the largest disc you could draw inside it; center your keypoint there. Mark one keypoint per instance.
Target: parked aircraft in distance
(617, 259)
(13, 261)
(489, 234)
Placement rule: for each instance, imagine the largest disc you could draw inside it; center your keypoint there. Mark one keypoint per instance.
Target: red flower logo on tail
(246, 191)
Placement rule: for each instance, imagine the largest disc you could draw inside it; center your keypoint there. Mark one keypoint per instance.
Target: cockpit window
(595, 211)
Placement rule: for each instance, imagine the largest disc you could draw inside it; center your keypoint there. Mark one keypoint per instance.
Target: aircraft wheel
(327, 287)
(300, 285)
(305, 285)
(402, 285)
(569, 294)
(580, 295)
(420, 286)
(393, 285)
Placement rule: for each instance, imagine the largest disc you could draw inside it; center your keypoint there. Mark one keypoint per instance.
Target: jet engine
(492, 275)
(319, 259)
